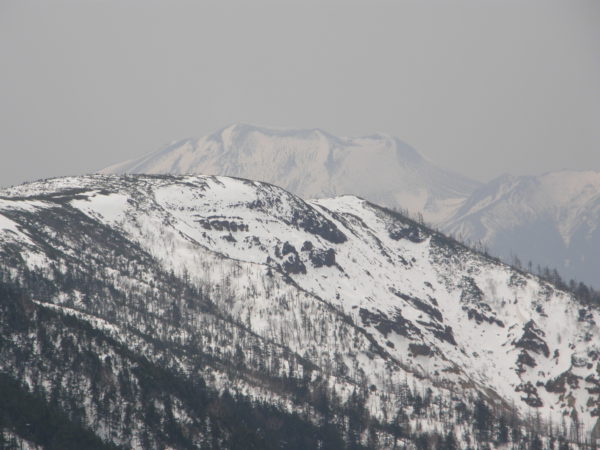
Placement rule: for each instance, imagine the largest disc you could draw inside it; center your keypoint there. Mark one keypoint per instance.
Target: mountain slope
(551, 219)
(332, 311)
(315, 164)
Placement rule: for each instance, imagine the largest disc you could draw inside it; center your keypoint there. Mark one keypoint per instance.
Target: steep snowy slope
(315, 164)
(552, 219)
(286, 302)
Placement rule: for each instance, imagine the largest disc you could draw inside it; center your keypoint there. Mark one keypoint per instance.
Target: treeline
(584, 293)
(134, 393)
(126, 392)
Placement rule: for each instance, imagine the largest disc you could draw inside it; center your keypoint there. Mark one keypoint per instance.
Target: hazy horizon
(479, 88)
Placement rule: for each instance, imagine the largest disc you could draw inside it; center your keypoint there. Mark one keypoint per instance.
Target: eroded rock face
(531, 396)
(560, 383)
(533, 340)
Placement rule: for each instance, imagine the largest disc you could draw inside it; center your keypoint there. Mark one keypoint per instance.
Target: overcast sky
(482, 87)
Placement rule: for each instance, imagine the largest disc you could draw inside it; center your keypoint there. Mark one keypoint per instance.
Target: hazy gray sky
(482, 87)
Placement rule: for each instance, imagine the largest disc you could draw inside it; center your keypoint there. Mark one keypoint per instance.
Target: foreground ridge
(199, 311)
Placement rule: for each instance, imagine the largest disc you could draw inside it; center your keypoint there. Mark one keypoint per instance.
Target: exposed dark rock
(472, 298)
(292, 263)
(479, 317)
(557, 385)
(294, 266)
(410, 232)
(385, 326)
(255, 204)
(517, 280)
(288, 248)
(470, 291)
(595, 381)
(531, 394)
(223, 225)
(419, 349)
(307, 246)
(324, 228)
(585, 315)
(525, 359)
(532, 339)
(421, 305)
(321, 258)
(441, 332)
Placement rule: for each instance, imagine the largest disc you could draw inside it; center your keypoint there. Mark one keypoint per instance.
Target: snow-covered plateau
(200, 297)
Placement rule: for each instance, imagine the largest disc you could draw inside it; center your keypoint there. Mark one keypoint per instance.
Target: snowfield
(335, 289)
(550, 219)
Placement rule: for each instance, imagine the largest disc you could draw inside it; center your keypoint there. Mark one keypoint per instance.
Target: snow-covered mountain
(159, 310)
(315, 164)
(551, 219)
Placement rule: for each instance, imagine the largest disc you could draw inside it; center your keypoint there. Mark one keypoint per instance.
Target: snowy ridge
(315, 164)
(335, 289)
(550, 219)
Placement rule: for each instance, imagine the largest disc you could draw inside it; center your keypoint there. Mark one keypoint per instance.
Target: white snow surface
(315, 164)
(551, 219)
(403, 284)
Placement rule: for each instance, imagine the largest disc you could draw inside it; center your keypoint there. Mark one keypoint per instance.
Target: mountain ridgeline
(315, 164)
(551, 219)
(214, 312)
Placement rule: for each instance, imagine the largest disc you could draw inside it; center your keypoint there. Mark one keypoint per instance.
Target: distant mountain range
(316, 164)
(551, 220)
(155, 311)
